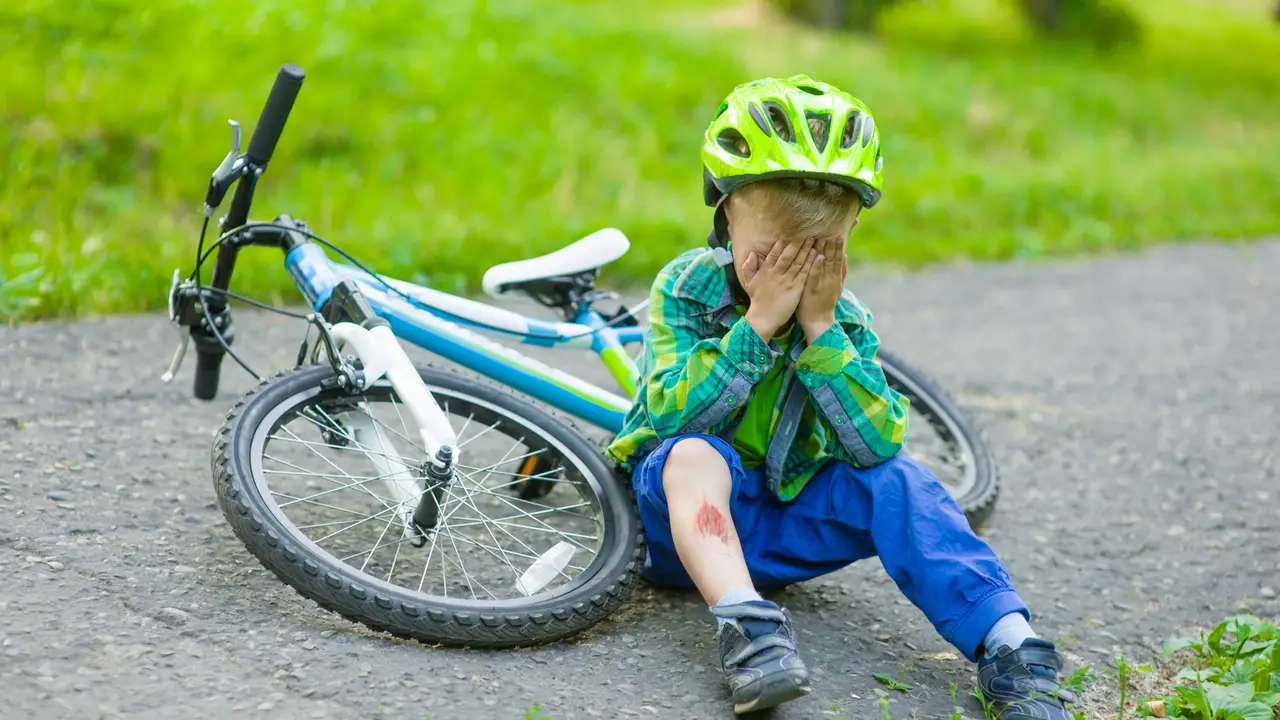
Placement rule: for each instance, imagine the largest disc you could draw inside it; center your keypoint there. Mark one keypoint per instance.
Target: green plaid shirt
(702, 362)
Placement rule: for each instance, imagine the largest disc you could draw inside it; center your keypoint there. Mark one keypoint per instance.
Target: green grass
(433, 139)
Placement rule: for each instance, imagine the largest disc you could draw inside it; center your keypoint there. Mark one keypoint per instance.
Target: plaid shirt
(702, 362)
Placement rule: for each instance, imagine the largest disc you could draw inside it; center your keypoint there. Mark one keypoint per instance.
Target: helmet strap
(719, 237)
(720, 253)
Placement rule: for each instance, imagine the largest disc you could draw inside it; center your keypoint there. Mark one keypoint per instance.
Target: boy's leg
(697, 485)
(689, 495)
(900, 512)
(926, 545)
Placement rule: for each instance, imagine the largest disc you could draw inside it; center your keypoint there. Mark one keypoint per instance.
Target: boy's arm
(847, 384)
(697, 384)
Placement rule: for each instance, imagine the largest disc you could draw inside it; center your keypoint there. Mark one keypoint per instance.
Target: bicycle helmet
(762, 131)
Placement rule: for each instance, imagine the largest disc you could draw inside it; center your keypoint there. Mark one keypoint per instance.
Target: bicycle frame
(445, 325)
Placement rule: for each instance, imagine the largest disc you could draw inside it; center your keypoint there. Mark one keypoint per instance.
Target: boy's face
(755, 229)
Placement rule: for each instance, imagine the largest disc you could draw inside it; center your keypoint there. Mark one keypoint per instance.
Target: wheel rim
(957, 467)
(476, 558)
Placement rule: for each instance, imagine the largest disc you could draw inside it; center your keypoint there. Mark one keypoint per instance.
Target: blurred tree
(857, 15)
(1105, 23)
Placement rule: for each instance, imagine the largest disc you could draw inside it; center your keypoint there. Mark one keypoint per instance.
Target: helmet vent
(758, 115)
(868, 132)
(809, 89)
(852, 126)
(733, 142)
(781, 123)
(879, 162)
(819, 128)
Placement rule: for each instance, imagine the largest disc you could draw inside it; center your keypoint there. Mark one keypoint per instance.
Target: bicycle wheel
(947, 441)
(318, 483)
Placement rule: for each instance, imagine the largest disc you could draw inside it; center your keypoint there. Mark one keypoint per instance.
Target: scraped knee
(694, 467)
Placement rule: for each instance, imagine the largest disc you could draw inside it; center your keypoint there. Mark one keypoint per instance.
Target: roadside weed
(1233, 674)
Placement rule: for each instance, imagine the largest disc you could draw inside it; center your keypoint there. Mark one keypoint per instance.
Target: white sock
(733, 597)
(1009, 630)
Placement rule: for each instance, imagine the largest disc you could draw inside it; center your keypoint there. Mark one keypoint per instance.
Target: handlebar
(208, 371)
(262, 145)
(274, 114)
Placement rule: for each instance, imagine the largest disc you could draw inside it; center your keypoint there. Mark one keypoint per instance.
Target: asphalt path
(1131, 402)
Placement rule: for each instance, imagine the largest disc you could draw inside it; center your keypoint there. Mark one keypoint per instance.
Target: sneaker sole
(775, 690)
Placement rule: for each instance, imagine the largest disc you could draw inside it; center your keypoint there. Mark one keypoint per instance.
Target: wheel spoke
(399, 544)
(357, 523)
(481, 489)
(318, 454)
(427, 565)
(521, 542)
(318, 475)
(293, 500)
(356, 445)
(562, 533)
(489, 530)
(337, 428)
(466, 576)
(473, 470)
(540, 512)
(347, 486)
(513, 506)
(525, 478)
(464, 443)
(396, 406)
(390, 519)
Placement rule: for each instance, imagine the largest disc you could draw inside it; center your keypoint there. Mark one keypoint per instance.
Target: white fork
(381, 354)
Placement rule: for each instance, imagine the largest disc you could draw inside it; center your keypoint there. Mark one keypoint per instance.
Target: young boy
(764, 441)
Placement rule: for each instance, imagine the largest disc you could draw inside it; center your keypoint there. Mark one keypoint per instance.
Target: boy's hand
(775, 284)
(816, 310)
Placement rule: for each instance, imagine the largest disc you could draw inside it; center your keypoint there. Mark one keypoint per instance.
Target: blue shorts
(897, 510)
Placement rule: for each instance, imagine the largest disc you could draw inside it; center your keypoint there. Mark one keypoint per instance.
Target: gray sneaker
(758, 655)
(1024, 683)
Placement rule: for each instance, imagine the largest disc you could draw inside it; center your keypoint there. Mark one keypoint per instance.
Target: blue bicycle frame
(445, 325)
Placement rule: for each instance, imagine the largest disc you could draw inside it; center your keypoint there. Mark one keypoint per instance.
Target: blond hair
(801, 207)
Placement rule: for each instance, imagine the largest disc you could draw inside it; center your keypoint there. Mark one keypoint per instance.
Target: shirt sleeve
(693, 383)
(848, 386)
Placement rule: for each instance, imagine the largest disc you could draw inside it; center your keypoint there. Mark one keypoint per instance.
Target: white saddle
(590, 253)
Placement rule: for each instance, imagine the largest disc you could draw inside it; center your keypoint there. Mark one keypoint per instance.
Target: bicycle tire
(341, 588)
(978, 500)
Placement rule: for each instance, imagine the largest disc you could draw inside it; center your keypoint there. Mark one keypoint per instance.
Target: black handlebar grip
(275, 113)
(208, 367)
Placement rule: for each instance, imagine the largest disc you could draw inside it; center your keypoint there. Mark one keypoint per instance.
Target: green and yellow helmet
(762, 130)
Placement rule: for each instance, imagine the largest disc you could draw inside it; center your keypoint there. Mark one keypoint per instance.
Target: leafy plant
(891, 682)
(535, 713)
(1080, 679)
(988, 707)
(1123, 672)
(1235, 674)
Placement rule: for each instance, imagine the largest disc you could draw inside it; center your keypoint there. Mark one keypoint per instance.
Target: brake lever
(232, 167)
